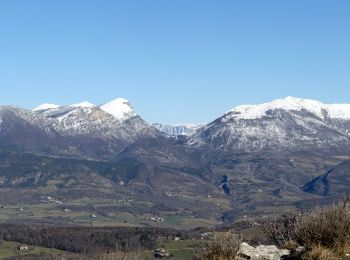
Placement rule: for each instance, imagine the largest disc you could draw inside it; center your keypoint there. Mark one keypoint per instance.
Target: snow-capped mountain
(108, 128)
(335, 111)
(297, 140)
(119, 108)
(290, 123)
(177, 130)
(115, 119)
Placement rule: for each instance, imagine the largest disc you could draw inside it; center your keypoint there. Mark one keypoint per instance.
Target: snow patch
(336, 111)
(120, 108)
(178, 129)
(45, 107)
(339, 111)
(84, 104)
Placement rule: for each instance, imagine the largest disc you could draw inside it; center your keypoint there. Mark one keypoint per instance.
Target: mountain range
(254, 159)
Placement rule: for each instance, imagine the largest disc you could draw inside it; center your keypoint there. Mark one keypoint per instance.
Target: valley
(105, 166)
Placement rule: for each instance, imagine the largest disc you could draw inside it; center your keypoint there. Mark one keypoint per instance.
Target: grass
(320, 253)
(324, 232)
(39, 212)
(173, 219)
(223, 246)
(328, 227)
(10, 249)
(181, 250)
(118, 214)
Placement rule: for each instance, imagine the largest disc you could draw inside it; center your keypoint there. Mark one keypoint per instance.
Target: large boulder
(260, 252)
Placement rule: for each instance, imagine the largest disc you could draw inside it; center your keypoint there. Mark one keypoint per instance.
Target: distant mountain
(177, 130)
(113, 120)
(283, 124)
(79, 129)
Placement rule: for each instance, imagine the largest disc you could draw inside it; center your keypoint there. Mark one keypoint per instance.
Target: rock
(260, 252)
(23, 248)
(161, 253)
(300, 250)
(295, 254)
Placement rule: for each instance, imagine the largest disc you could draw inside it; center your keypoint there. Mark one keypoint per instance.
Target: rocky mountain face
(252, 160)
(79, 129)
(115, 119)
(177, 130)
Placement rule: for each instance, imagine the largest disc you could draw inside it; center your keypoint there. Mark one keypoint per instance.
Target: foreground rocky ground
(323, 233)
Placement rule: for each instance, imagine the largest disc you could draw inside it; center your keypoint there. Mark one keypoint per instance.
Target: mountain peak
(341, 111)
(120, 108)
(45, 106)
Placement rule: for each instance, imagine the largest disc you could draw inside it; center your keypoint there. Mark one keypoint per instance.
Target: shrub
(222, 247)
(291, 246)
(280, 231)
(327, 227)
(325, 231)
(320, 253)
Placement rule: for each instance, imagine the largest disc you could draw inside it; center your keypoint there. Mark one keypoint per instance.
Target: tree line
(89, 239)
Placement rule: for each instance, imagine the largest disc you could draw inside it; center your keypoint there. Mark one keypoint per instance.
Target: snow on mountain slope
(45, 107)
(176, 130)
(115, 119)
(77, 131)
(120, 108)
(290, 123)
(337, 111)
(84, 104)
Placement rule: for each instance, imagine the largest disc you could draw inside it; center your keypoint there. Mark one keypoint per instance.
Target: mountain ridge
(337, 111)
(288, 123)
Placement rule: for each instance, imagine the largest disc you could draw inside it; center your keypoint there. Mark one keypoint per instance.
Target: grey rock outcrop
(260, 252)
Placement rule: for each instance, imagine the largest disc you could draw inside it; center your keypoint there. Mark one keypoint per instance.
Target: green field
(180, 250)
(77, 212)
(10, 249)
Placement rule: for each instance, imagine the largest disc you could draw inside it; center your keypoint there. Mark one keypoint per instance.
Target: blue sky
(176, 61)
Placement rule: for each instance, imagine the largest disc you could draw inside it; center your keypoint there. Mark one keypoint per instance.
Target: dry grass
(325, 231)
(223, 247)
(327, 227)
(97, 256)
(320, 253)
(291, 246)
(119, 256)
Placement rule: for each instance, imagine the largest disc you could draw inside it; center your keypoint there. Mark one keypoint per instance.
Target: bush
(327, 228)
(320, 253)
(280, 231)
(324, 232)
(222, 247)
